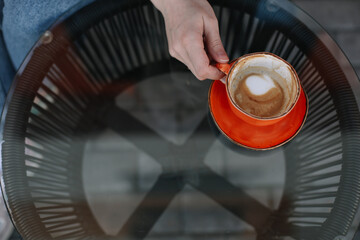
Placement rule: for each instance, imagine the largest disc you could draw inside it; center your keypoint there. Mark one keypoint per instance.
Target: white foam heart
(259, 84)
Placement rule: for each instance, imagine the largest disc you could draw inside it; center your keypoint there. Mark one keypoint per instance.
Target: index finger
(200, 61)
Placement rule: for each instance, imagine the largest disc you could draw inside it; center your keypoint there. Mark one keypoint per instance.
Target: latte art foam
(259, 84)
(260, 95)
(263, 85)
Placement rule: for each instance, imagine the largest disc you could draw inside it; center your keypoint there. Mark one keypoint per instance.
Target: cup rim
(299, 86)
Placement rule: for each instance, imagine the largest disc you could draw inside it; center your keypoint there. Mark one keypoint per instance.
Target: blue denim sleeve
(1, 12)
(25, 21)
(6, 72)
(6, 69)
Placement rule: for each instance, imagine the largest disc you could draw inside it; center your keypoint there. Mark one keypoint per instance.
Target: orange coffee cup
(258, 132)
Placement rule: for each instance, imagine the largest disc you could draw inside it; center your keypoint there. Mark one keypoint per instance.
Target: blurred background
(341, 19)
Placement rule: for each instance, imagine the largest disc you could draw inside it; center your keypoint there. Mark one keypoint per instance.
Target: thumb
(213, 43)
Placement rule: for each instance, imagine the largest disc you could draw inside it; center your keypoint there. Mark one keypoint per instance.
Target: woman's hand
(193, 35)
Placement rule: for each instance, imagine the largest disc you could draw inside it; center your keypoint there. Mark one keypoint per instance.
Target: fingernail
(223, 57)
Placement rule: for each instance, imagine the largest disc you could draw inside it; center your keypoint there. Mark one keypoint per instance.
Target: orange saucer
(251, 136)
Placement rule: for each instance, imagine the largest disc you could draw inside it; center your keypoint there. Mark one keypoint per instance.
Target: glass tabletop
(107, 137)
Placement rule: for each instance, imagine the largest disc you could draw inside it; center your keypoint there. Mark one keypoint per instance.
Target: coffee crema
(259, 95)
(263, 86)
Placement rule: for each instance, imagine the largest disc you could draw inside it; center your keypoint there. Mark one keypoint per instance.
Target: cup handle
(225, 68)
